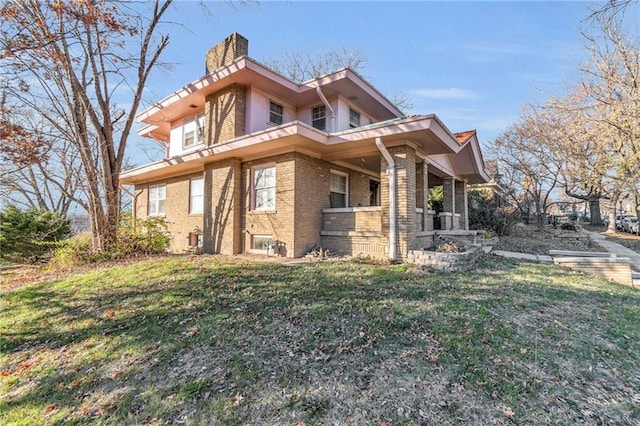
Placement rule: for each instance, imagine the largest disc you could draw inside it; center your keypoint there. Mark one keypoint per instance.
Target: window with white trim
(157, 200)
(196, 195)
(339, 184)
(193, 131)
(262, 243)
(263, 187)
(276, 113)
(354, 118)
(319, 117)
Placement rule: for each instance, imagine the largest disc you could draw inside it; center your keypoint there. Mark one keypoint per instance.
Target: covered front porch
(400, 213)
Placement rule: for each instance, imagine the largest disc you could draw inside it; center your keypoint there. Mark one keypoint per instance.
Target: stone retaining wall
(463, 261)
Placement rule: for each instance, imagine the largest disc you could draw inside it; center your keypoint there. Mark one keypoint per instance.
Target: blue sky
(474, 64)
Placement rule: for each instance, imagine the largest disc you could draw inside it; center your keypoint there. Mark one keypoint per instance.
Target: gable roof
(463, 137)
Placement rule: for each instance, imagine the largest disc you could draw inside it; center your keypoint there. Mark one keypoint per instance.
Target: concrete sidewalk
(615, 248)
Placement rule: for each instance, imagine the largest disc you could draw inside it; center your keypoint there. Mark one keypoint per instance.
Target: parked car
(634, 228)
(627, 221)
(619, 219)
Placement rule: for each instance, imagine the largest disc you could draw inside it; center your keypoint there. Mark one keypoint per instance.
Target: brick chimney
(226, 52)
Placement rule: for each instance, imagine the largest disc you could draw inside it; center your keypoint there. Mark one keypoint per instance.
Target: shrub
(568, 226)
(486, 213)
(148, 236)
(72, 251)
(30, 236)
(142, 236)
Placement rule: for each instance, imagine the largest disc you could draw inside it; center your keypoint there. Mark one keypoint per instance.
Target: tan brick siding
(225, 113)
(362, 221)
(179, 221)
(358, 246)
(223, 207)
(311, 196)
(226, 51)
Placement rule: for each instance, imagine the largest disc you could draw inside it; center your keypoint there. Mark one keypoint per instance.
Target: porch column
(448, 203)
(462, 205)
(422, 195)
(405, 159)
(427, 219)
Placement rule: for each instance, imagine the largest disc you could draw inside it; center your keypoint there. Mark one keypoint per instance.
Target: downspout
(391, 172)
(326, 104)
(163, 144)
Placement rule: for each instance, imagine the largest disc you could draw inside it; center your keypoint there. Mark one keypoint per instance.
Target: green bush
(148, 236)
(30, 236)
(72, 251)
(487, 214)
(142, 236)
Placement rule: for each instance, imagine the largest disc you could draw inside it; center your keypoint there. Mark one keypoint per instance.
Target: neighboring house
(259, 164)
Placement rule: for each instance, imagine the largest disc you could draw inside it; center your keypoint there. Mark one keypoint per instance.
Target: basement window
(262, 243)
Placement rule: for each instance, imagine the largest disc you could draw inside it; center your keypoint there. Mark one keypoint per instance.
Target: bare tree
(531, 169)
(300, 66)
(82, 66)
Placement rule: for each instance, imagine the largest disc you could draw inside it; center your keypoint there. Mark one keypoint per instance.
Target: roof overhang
(432, 141)
(248, 72)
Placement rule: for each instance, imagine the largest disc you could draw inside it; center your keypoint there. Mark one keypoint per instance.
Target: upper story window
(319, 117)
(193, 131)
(354, 118)
(276, 113)
(196, 196)
(339, 184)
(157, 200)
(263, 187)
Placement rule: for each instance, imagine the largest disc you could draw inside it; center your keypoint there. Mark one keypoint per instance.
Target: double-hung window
(276, 113)
(354, 118)
(157, 200)
(193, 131)
(339, 184)
(319, 117)
(263, 181)
(196, 196)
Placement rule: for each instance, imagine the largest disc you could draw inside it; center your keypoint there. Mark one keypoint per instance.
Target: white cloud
(450, 93)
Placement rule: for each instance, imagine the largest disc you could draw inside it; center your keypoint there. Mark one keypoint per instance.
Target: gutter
(326, 104)
(391, 172)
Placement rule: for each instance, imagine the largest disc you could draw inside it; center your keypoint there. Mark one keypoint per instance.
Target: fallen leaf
(110, 313)
(51, 407)
(509, 412)
(238, 399)
(4, 373)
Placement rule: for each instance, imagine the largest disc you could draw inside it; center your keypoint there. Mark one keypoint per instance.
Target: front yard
(218, 340)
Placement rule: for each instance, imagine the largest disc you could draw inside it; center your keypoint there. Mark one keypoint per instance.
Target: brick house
(256, 163)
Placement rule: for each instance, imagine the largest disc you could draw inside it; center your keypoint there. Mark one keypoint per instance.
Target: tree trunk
(612, 213)
(594, 212)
